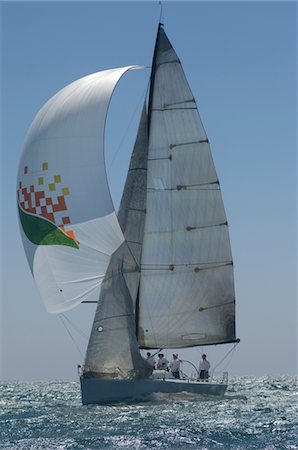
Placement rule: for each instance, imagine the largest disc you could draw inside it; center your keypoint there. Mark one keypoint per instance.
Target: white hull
(96, 390)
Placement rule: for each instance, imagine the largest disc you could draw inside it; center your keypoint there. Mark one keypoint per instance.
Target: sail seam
(168, 62)
(114, 317)
(124, 272)
(96, 249)
(81, 280)
(134, 209)
(138, 168)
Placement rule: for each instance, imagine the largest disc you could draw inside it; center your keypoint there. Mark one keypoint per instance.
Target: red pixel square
(65, 220)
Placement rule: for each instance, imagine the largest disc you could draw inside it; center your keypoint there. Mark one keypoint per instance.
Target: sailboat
(162, 266)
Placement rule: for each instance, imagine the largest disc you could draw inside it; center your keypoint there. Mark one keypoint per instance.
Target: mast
(152, 77)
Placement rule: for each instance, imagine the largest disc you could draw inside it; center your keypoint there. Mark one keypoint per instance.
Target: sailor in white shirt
(175, 366)
(162, 362)
(204, 367)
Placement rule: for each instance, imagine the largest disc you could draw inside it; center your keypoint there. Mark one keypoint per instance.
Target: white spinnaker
(187, 288)
(62, 180)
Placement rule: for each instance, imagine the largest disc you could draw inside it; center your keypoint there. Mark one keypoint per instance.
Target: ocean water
(256, 413)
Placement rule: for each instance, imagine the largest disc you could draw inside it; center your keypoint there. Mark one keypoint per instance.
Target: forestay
(186, 288)
(68, 223)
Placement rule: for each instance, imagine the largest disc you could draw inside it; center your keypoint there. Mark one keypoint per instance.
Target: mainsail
(68, 223)
(186, 289)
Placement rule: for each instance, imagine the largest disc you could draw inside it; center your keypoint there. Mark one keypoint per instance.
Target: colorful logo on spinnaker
(43, 210)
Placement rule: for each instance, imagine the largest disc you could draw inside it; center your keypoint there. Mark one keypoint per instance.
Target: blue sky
(241, 62)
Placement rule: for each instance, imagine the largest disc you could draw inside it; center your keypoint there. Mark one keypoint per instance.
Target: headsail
(68, 223)
(113, 349)
(187, 290)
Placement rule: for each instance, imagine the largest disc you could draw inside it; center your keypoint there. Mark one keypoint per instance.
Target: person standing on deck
(162, 363)
(204, 367)
(175, 366)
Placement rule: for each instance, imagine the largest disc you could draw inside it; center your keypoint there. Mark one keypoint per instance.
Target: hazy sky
(240, 60)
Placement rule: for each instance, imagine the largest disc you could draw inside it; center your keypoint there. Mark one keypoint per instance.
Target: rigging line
(158, 351)
(232, 349)
(124, 271)
(126, 132)
(71, 337)
(126, 243)
(189, 362)
(228, 362)
(75, 327)
(116, 317)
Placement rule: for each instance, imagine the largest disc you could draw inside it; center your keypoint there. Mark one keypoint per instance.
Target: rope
(157, 352)
(126, 132)
(185, 360)
(232, 349)
(75, 326)
(71, 337)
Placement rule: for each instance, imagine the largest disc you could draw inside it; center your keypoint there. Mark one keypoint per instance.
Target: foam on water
(256, 413)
